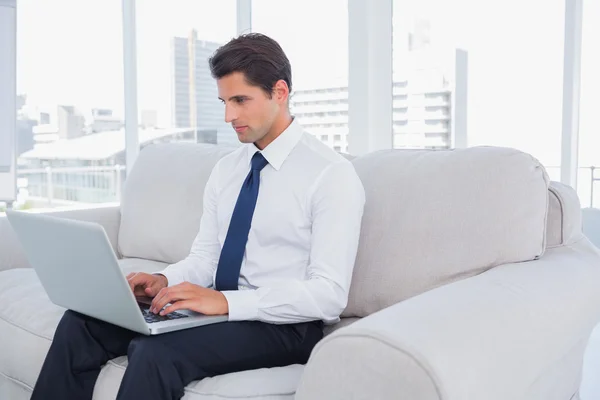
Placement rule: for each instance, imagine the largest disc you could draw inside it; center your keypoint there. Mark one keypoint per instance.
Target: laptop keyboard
(150, 317)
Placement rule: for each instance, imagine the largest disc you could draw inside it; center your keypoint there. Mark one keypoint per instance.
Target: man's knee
(150, 360)
(70, 321)
(69, 331)
(144, 349)
(70, 315)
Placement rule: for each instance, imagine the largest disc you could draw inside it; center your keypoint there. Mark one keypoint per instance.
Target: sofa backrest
(434, 217)
(161, 204)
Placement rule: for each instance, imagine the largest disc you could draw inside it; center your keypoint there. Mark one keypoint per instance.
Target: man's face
(248, 109)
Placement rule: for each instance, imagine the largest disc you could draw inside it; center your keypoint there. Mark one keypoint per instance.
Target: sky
(70, 52)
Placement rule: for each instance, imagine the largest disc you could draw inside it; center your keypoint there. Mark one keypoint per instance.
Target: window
(318, 53)
(70, 102)
(178, 98)
(439, 50)
(324, 138)
(588, 187)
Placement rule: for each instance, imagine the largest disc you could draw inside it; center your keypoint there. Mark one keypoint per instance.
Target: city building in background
(99, 149)
(425, 101)
(25, 126)
(88, 169)
(429, 99)
(71, 122)
(68, 156)
(103, 120)
(67, 122)
(44, 118)
(24, 135)
(323, 112)
(194, 91)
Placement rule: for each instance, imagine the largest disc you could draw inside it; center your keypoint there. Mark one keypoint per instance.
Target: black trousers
(161, 366)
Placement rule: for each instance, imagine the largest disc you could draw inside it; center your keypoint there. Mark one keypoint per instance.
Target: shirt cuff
(173, 277)
(243, 304)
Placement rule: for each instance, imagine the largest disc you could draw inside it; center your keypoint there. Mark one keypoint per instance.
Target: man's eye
(240, 100)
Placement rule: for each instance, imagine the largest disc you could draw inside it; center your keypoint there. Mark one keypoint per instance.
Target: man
(277, 260)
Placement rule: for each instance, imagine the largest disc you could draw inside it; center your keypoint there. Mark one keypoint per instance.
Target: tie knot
(258, 161)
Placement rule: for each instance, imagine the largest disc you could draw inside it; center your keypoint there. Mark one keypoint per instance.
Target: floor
(590, 384)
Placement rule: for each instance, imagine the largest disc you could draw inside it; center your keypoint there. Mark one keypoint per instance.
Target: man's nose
(230, 114)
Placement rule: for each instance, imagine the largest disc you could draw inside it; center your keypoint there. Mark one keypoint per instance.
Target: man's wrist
(224, 303)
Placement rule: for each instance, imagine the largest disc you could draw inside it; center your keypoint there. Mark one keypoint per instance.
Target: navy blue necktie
(230, 262)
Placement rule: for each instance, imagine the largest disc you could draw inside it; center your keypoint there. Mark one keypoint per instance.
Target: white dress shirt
(304, 236)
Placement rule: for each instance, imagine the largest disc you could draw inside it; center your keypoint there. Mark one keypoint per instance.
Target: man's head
(254, 79)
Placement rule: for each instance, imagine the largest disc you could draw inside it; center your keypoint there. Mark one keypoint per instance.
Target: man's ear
(281, 92)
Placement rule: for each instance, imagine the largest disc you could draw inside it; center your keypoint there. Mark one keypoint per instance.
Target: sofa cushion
(433, 217)
(162, 200)
(28, 320)
(130, 265)
(27, 323)
(265, 383)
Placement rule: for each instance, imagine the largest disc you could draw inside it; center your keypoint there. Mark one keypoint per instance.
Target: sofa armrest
(12, 254)
(495, 336)
(564, 215)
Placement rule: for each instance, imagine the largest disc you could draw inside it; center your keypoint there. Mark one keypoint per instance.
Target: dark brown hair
(257, 56)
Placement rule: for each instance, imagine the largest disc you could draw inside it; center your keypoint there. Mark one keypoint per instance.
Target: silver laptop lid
(78, 267)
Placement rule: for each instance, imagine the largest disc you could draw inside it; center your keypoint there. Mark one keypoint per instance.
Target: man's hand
(188, 296)
(143, 284)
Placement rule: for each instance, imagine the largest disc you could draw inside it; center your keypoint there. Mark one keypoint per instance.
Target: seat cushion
(28, 320)
(434, 217)
(27, 323)
(266, 383)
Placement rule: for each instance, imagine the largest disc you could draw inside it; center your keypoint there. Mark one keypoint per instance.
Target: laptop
(78, 268)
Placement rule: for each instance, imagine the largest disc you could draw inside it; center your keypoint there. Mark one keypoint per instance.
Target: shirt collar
(277, 151)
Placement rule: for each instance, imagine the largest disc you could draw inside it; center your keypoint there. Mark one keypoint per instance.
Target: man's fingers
(179, 305)
(152, 291)
(131, 285)
(159, 298)
(164, 300)
(155, 287)
(167, 295)
(137, 282)
(132, 275)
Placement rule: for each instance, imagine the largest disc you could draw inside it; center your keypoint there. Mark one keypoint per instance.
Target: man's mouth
(240, 129)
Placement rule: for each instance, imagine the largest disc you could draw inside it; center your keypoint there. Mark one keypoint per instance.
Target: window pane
(70, 103)
(514, 73)
(319, 57)
(589, 132)
(178, 97)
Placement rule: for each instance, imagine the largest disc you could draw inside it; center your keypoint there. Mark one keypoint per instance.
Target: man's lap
(215, 348)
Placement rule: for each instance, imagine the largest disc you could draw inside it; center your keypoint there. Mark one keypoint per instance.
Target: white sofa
(473, 281)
